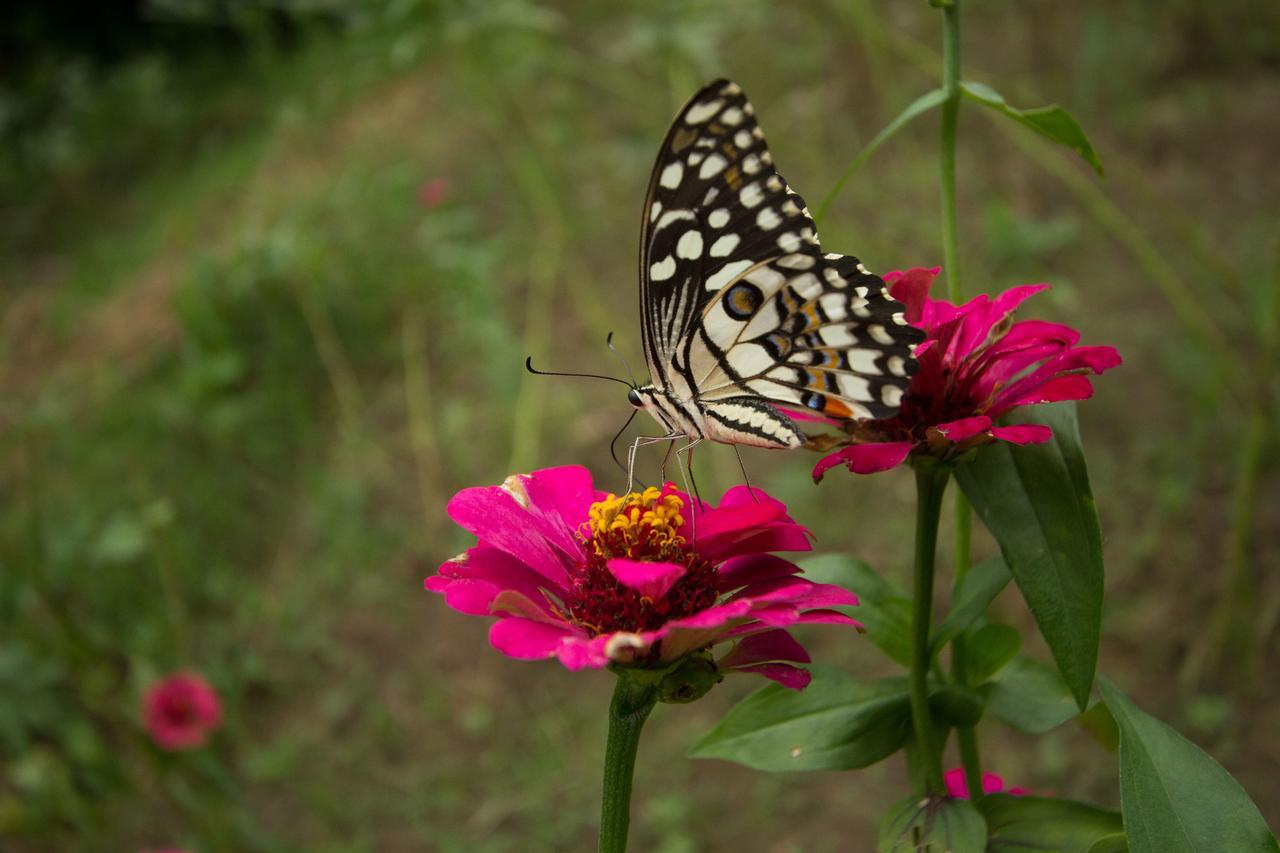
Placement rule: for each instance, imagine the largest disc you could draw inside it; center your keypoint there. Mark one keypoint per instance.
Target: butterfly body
(744, 317)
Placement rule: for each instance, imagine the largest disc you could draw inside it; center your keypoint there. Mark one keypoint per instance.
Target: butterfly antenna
(608, 341)
(613, 445)
(528, 365)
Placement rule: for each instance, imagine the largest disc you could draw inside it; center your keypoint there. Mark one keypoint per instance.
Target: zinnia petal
(865, 458)
(751, 568)
(784, 673)
(772, 645)
(911, 288)
(526, 639)
(1023, 433)
(964, 428)
(651, 580)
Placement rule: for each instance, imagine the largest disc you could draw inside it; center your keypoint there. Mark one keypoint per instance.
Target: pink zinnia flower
(435, 192)
(976, 365)
(643, 579)
(181, 711)
(991, 784)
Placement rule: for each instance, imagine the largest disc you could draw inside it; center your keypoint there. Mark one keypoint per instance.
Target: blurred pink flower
(435, 192)
(976, 365)
(643, 579)
(991, 784)
(180, 711)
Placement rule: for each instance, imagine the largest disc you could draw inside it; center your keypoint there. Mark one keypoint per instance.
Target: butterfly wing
(740, 308)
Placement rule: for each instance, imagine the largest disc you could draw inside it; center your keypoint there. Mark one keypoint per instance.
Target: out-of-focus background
(269, 274)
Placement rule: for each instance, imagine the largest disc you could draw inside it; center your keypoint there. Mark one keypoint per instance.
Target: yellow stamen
(617, 524)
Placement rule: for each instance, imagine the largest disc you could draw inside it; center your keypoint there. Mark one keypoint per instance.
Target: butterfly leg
(642, 441)
(690, 482)
(745, 478)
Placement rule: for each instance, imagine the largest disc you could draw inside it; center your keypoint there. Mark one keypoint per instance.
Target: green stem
(931, 482)
(966, 736)
(632, 702)
(950, 114)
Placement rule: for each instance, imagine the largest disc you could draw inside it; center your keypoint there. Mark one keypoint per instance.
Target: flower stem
(931, 482)
(633, 699)
(966, 736)
(950, 113)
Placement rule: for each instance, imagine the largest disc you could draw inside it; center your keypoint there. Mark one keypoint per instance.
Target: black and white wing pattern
(742, 311)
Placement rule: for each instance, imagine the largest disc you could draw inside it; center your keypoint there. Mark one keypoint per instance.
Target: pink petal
(1008, 302)
(807, 415)
(563, 494)
(484, 563)
(512, 603)
(865, 458)
(525, 639)
(780, 615)
(1055, 390)
(955, 782)
(747, 521)
(713, 617)
(827, 617)
(701, 629)
(751, 568)
(1023, 433)
(467, 595)
(964, 428)
(649, 579)
(773, 645)
(795, 590)
(497, 519)
(580, 652)
(911, 288)
(784, 673)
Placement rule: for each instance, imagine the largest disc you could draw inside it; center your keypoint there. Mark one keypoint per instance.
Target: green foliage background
(242, 368)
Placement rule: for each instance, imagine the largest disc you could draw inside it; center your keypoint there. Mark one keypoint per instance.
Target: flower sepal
(680, 682)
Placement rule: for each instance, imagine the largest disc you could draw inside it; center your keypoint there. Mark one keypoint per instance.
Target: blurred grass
(243, 369)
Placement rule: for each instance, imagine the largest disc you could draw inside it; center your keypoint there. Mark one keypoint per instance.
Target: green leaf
(1175, 798)
(1029, 696)
(1046, 825)
(885, 613)
(836, 723)
(1037, 503)
(1099, 723)
(1052, 121)
(932, 825)
(920, 105)
(988, 649)
(1111, 844)
(975, 592)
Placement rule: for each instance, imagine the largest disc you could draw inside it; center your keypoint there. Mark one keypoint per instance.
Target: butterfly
(744, 317)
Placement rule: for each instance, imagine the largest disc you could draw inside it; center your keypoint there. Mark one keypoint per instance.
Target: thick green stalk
(966, 736)
(950, 114)
(633, 699)
(931, 482)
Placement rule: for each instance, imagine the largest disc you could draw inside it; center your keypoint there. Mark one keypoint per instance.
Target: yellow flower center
(639, 525)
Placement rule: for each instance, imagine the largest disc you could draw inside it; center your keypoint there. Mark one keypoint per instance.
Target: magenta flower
(976, 365)
(435, 192)
(991, 784)
(639, 580)
(180, 711)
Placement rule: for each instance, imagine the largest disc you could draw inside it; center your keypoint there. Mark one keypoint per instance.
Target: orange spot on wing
(836, 409)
